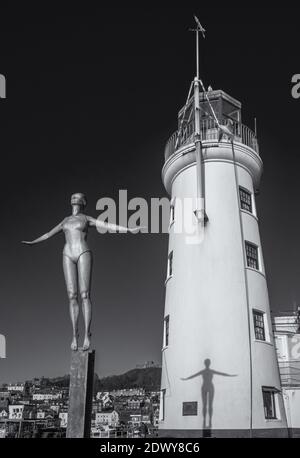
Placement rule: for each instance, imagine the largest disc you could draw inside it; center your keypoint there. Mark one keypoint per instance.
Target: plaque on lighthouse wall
(189, 408)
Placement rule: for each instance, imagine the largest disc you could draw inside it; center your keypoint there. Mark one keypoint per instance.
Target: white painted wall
(292, 405)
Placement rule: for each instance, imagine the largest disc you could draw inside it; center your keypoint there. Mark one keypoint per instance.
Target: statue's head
(207, 363)
(78, 199)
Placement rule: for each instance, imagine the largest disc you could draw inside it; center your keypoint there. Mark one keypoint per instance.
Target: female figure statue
(77, 262)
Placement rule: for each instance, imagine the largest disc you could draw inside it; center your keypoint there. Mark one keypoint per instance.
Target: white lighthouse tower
(220, 375)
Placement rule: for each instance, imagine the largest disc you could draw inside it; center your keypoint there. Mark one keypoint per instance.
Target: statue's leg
(84, 265)
(204, 404)
(70, 272)
(210, 404)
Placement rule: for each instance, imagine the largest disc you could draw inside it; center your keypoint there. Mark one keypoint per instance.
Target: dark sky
(92, 97)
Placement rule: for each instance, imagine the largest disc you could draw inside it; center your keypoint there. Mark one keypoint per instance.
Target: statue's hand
(27, 243)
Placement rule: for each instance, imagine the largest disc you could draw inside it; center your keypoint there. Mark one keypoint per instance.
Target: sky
(92, 97)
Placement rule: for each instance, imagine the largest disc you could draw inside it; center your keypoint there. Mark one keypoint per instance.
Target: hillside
(148, 378)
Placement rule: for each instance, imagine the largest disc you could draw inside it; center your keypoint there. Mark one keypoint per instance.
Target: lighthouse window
(166, 331)
(252, 255)
(259, 325)
(246, 200)
(172, 213)
(170, 264)
(162, 404)
(269, 399)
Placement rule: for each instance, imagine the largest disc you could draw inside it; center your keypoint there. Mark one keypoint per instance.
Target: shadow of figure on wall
(208, 391)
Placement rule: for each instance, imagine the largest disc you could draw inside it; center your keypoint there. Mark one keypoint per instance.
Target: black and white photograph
(150, 293)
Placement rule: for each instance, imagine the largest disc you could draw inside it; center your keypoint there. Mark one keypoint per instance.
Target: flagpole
(197, 53)
(200, 205)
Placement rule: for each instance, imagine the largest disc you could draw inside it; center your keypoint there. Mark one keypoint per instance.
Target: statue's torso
(75, 229)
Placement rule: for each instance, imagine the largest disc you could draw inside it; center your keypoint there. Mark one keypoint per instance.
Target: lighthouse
(220, 374)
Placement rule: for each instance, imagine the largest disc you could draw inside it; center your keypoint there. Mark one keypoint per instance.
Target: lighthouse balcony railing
(210, 132)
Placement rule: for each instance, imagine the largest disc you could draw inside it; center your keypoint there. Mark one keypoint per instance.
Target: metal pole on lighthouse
(200, 207)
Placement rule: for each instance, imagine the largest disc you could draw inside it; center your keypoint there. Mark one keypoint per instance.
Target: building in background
(287, 338)
(3, 413)
(128, 392)
(5, 399)
(21, 412)
(16, 412)
(45, 412)
(136, 420)
(106, 400)
(63, 416)
(16, 387)
(47, 396)
(107, 418)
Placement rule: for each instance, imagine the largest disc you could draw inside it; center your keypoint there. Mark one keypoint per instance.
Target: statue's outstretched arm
(98, 223)
(223, 373)
(46, 236)
(192, 376)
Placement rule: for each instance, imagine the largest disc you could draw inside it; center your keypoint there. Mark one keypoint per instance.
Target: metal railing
(210, 132)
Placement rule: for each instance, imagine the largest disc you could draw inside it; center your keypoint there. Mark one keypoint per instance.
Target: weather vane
(198, 29)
